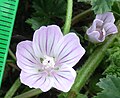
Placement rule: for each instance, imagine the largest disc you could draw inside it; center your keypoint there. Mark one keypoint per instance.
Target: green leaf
(46, 12)
(101, 6)
(113, 70)
(110, 86)
(36, 22)
(114, 55)
(62, 95)
(113, 59)
(81, 96)
(84, 0)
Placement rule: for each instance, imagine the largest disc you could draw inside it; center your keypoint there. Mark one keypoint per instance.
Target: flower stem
(29, 94)
(116, 13)
(89, 67)
(17, 83)
(12, 55)
(10, 61)
(14, 66)
(68, 17)
(13, 89)
(81, 16)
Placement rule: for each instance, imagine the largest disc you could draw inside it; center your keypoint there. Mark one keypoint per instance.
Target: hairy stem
(89, 67)
(68, 17)
(10, 61)
(81, 16)
(13, 89)
(12, 55)
(29, 94)
(17, 83)
(14, 59)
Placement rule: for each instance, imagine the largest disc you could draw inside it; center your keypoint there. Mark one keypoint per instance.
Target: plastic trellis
(8, 9)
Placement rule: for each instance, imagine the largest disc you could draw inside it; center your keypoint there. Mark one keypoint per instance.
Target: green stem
(12, 54)
(89, 67)
(116, 13)
(29, 94)
(81, 16)
(68, 17)
(14, 58)
(13, 89)
(14, 66)
(10, 61)
(16, 84)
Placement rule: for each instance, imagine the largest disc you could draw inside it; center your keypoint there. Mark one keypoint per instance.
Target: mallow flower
(102, 26)
(47, 60)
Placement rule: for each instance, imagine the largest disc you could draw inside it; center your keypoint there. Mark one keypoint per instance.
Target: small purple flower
(47, 61)
(102, 26)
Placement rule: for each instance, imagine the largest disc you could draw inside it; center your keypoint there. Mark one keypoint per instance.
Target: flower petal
(96, 24)
(110, 28)
(26, 59)
(37, 81)
(68, 50)
(95, 35)
(64, 78)
(106, 17)
(45, 39)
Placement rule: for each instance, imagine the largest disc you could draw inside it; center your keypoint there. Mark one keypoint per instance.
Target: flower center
(48, 62)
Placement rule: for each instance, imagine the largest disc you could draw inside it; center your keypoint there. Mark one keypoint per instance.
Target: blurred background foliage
(34, 13)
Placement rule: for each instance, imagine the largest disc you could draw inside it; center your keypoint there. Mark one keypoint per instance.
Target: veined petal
(64, 78)
(68, 50)
(26, 59)
(55, 35)
(37, 80)
(45, 39)
(38, 39)
(96, 24)
(110, 28)
(95, 35)
(106, 17)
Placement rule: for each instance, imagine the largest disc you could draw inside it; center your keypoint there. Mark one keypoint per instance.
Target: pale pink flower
(102, 26)
(47, 61)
